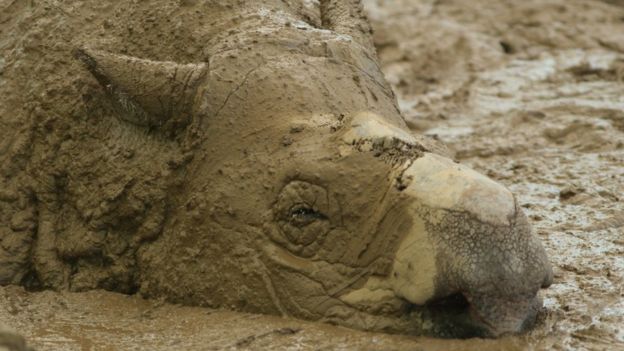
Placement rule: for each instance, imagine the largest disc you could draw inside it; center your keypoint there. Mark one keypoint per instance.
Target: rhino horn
(148, 93)
(347, 17)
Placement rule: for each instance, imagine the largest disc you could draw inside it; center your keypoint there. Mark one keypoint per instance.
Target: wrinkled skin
(304, 193)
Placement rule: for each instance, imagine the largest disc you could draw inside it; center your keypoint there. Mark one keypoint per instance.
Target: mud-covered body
(294, 187)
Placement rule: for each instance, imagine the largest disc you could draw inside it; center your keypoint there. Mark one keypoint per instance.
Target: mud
(529, 93)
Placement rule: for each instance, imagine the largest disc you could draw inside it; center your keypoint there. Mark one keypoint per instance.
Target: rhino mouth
(451, 317)
(460, 317)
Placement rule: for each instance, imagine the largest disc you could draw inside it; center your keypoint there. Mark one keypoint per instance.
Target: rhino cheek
(414, 270)
(412, 277)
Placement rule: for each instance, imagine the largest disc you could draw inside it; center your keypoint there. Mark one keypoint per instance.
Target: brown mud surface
(530, 93)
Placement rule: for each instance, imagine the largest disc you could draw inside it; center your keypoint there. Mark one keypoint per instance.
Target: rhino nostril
(504, 315)
(457, 302)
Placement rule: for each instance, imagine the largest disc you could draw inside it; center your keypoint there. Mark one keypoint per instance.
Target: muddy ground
(530, 93)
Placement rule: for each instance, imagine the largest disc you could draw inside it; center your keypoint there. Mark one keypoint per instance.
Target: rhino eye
(302, 215)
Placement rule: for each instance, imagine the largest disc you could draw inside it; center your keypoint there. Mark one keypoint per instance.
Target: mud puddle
(106, 321)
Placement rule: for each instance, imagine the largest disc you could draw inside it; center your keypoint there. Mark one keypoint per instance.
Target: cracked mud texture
(530, 93)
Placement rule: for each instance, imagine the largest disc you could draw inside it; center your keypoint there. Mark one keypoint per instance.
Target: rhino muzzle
(484, 247)
(470, 242)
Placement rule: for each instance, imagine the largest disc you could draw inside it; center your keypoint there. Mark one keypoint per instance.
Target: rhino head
(306, 195)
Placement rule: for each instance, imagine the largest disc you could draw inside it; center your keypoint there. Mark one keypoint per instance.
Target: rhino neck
(231, 17)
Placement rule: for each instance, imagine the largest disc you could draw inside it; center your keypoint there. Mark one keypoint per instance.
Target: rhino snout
(499, 276)
(468, 238)
(481, 242)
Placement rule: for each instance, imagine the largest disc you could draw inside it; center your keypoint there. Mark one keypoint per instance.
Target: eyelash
(303, 210)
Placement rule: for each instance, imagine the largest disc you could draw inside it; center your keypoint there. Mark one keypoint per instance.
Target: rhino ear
(148, 93)
(348, 17)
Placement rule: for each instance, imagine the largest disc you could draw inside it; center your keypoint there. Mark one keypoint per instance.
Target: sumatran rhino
(304, 194)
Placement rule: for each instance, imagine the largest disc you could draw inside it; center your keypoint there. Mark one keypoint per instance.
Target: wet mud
(529, 93)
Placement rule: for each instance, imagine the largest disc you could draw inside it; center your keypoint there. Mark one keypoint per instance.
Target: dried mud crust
(529, 93)
(83, 190)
